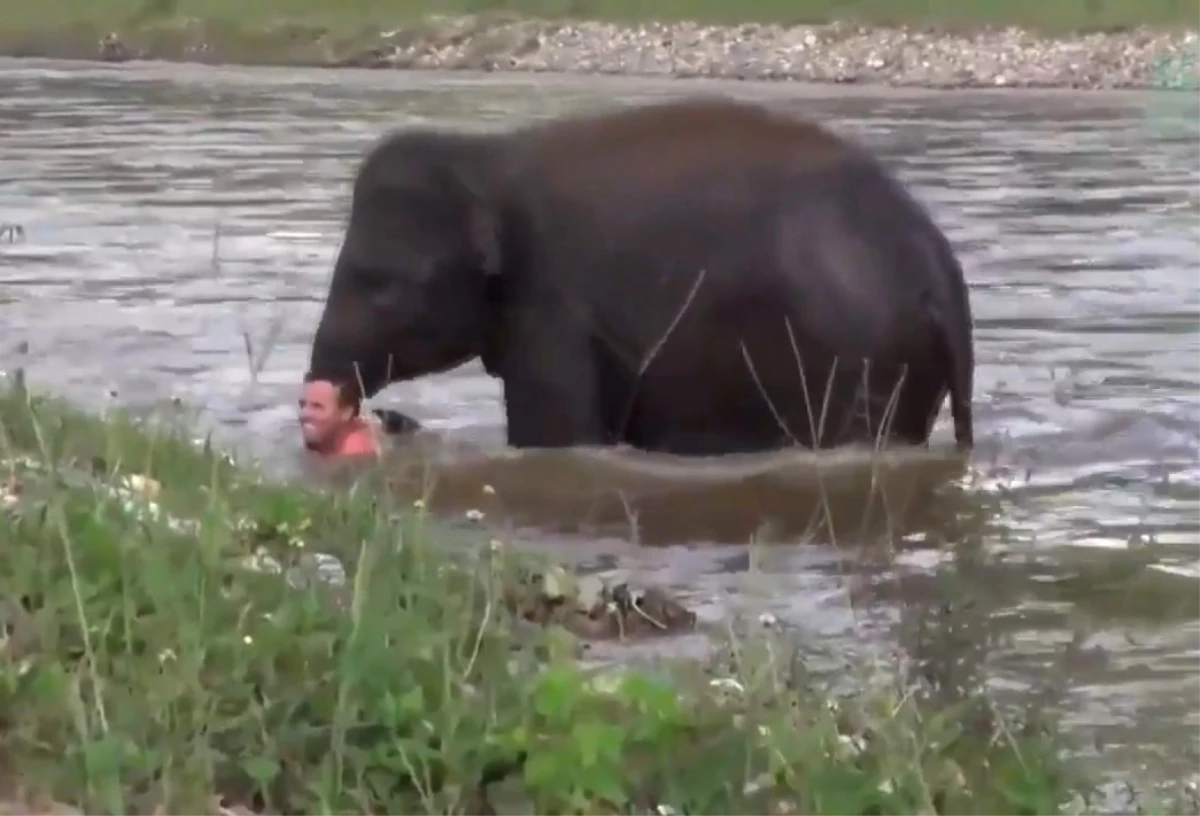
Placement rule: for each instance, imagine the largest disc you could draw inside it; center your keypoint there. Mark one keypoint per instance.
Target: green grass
(346, 15)
(147, 669)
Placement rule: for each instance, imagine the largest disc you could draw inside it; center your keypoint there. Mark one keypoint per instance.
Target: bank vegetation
(185, 635)
(1086, 44)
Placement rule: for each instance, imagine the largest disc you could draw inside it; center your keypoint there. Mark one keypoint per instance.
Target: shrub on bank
(149, 666)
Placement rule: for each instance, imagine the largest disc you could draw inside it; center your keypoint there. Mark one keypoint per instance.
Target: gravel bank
(830, 53)
(842, 53)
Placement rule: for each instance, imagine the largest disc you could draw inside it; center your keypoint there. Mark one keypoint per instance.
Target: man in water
(331, 421)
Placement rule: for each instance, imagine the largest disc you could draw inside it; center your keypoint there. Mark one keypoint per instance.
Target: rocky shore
(834, 53)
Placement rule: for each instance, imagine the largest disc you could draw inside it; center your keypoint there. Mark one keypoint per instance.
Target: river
(1076, 215)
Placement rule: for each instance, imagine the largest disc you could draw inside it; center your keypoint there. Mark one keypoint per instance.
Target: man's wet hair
(349, 394)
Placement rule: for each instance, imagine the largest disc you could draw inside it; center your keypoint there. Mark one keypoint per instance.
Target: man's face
(321, 416)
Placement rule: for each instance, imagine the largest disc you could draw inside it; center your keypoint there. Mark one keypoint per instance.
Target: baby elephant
(699, 277)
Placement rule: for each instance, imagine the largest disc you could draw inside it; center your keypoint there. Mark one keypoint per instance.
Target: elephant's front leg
(551, 386)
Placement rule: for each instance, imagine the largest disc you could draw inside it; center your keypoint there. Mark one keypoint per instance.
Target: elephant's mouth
(401, 359)
(423, 355)
(379, 373)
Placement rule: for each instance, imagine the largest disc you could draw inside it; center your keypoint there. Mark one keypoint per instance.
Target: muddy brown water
(1078, 220)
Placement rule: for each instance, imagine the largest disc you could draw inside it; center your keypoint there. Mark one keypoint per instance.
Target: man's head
(328, 410)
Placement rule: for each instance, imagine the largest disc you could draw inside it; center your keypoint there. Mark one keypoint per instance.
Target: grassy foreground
(347, 15)
(146, 668)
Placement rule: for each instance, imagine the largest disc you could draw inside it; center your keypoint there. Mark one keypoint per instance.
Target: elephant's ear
(482, 218)
(484, 229)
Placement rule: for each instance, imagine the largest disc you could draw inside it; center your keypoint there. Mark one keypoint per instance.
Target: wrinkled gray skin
(696, 277)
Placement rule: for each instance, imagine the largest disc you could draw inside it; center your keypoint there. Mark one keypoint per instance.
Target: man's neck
(355, 438)
(348, 430)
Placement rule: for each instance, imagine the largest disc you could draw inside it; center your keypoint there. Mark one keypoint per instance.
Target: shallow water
(1077, 219)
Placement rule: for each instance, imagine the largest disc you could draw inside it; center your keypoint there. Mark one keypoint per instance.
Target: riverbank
(1118, 50)
(157, 661)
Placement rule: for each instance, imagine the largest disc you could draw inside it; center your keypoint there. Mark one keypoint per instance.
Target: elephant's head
(410, 289)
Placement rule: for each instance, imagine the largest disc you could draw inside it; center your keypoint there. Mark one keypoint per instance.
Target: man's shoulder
(363, 438)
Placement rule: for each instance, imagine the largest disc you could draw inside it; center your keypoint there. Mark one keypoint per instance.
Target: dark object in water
(395, 423)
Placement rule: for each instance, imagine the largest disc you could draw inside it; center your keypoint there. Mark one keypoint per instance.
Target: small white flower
(488, 490)
(165, 655)
(474, 515)
(419, 504)
(142, 485)
(768, 620)
(247, 640)
(851, 745)
(261, 561)
(726, 684)
(886, 787)
(179, 525)
(665, 810)
(757, 784)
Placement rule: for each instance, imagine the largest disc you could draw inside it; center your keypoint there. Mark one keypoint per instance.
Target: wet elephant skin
(698, 277)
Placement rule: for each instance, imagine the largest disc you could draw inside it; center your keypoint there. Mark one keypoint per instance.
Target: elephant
(699, 277)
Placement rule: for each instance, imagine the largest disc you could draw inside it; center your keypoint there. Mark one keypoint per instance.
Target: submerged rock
(598, 606)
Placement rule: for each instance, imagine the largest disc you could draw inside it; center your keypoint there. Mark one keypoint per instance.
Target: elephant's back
(742, 212)
(668, 147)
